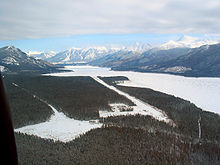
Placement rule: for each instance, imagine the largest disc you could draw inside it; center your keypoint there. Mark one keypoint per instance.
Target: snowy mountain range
(79, 55)
(186, 56)
(203, 61)
(74, 55)
(41, 55)
(88, 54)
(186, 42)
(14, 60)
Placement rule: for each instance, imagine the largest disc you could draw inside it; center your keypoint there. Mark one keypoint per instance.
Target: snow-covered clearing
(59, 127)
(140, 108)
(203, 92)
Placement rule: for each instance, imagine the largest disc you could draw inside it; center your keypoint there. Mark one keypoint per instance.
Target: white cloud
(52, 18)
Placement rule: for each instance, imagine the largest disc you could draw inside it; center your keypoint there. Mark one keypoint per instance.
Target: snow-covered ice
(203, 92)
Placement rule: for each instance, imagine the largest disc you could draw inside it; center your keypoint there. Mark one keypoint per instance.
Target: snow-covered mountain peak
(13, 59)
(11, 48)
(75, 54)
(32, 53)
(138, 47)
(41, 55)
(74, 48)
(170, 45)
(186, 41)
(98, 49)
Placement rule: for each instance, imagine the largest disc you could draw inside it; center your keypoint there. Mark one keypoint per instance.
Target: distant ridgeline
(14, 60)
(203, 61)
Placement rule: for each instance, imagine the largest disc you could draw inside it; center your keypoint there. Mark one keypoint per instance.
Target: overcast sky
(20, 19)
(59, 24)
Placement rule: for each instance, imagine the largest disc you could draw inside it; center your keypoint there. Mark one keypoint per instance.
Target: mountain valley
(87, 114)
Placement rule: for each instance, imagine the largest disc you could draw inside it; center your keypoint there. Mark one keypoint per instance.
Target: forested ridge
(115, 145)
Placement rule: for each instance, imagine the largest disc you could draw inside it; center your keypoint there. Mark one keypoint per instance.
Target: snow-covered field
(203, 92)
(59, 127)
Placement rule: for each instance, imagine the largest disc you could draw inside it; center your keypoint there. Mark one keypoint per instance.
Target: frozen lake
(203, 92)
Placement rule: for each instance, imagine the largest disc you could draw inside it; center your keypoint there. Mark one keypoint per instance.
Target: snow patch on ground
(9, 61)
(115, 110)
(2, 68)
(177, 69)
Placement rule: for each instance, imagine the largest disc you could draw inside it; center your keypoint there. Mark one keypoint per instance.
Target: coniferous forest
(121, 140)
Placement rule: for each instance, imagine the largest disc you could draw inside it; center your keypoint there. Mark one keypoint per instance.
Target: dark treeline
(77, 97)
(114, 80)
(25, 109)
(114, 145)
(147, 123)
